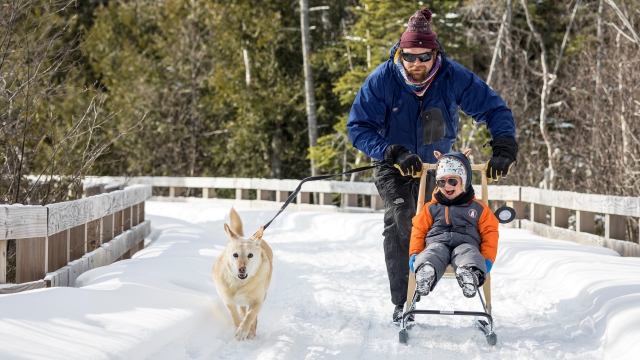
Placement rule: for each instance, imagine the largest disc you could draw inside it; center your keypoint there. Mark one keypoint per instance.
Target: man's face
(417, 70)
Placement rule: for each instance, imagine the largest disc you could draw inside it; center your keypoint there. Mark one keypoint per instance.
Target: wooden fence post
(350, 200)
(57, 250)
(242, 194)
(302, 198)
(3, 261)
(134, 215)
(560, 217)
(93, 235)
(281, 196)
(376, 202)
(208, 193)
(77, 242)
(141, 212)
(30, 259)
(326, 199)
(117, 223)
(538, 213)
(585, 222)
(263, 194)
(518, 206)
(107, 228)
(126, 219)
(614, 227)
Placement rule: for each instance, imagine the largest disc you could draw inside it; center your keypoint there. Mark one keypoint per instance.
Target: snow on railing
(57, 242)
(555, 214)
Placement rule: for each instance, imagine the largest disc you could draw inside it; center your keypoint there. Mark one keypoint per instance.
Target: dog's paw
(242, 334)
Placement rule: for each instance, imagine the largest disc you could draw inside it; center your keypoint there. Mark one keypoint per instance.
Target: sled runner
(483, 319)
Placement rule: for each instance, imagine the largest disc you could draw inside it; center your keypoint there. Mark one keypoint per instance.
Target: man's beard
(418, 76)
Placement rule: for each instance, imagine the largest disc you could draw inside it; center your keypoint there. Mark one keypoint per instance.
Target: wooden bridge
(58, 242)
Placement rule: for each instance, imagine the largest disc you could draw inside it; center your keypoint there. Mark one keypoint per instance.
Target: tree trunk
(308, 79)
(276, 147)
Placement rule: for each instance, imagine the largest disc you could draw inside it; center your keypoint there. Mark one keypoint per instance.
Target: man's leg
(399, 194)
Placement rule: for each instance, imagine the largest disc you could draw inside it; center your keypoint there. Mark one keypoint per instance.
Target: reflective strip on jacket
(386, 111)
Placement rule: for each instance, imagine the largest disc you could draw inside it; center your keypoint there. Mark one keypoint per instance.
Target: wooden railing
(542, 211)
(58, 242)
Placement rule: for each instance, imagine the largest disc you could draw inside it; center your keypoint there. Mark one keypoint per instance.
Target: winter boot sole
(425, 276)
(467, 282)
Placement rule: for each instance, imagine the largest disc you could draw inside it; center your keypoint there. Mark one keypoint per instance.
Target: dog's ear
(236, 222)
(466, 153)
(437, 154)
(232, 235)
(258, 234)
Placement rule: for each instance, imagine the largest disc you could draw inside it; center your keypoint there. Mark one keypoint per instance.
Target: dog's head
(245, 254)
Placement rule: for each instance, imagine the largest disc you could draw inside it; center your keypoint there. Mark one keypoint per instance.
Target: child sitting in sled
(454, 228)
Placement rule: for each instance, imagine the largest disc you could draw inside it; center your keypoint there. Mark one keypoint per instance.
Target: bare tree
(548, 80)
(36, 85)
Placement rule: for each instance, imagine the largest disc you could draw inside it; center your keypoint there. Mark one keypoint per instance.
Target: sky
(329, 298)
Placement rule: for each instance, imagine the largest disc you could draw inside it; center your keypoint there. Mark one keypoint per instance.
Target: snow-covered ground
(329, 299)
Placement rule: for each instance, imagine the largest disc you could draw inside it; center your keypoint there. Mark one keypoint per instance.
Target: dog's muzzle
(242, 273)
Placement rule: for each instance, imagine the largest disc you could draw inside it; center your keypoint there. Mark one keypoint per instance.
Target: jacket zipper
(446, 215)
(416, 126)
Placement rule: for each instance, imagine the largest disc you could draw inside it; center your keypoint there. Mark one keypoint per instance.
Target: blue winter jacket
(386, 111)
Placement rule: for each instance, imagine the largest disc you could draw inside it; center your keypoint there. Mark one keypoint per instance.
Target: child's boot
(425, 275)
(467, 281)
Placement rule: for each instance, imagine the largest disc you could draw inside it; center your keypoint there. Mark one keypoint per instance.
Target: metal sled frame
(486, 326)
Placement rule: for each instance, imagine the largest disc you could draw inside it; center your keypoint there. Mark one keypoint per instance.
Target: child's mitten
(488, 263)
(412, 259)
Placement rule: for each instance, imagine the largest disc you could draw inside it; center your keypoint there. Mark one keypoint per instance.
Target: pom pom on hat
(419, 33)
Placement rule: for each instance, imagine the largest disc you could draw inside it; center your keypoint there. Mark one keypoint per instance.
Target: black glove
(409, 164)
(505, 151)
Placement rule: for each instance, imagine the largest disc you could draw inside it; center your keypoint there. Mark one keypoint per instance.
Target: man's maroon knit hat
(419, 33)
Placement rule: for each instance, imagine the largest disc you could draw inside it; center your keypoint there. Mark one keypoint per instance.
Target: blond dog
(242, 274)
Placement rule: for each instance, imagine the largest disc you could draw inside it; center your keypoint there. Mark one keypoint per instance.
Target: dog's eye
(250, 256)
(235, 255)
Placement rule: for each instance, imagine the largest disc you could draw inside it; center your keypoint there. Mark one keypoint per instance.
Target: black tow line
(314, 178)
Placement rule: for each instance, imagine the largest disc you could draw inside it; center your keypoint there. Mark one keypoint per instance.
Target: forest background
(216, 88)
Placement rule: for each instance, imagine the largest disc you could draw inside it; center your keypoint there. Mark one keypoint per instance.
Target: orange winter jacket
(453, 225)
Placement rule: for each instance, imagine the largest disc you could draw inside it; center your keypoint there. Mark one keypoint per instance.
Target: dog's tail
(236, 222)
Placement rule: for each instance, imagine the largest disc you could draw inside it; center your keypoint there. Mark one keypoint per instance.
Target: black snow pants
(399, 195)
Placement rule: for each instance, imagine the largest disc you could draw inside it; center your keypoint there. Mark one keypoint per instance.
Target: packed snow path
(329, 299)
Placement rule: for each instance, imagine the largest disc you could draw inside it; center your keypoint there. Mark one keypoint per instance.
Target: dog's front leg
(247, 323)
(242, 312)
(254, 326)
(234, 314)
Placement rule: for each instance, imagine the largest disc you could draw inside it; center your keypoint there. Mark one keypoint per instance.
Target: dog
(242, 274)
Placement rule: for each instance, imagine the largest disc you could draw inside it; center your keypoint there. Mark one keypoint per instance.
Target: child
(453, 228)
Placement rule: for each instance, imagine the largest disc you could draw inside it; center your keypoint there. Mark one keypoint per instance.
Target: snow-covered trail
(329, 299)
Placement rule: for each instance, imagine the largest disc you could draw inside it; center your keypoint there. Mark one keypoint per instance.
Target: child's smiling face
(449, 191)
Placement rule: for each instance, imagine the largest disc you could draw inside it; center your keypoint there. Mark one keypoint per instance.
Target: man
(406, 109)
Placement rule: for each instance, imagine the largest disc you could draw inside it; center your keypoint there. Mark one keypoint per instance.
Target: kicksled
(482, 319)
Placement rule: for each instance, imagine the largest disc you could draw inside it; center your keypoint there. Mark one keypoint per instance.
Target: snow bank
(329, 298)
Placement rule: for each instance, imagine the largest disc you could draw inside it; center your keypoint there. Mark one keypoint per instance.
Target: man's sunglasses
(452, 181)
(424, 57)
